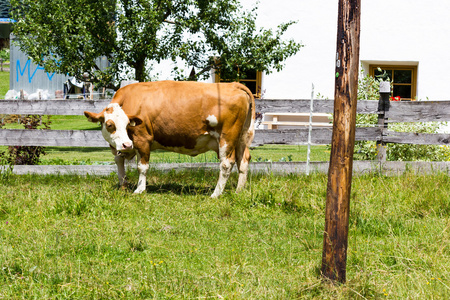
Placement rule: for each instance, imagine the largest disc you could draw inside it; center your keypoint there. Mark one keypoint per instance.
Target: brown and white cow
(184, 117)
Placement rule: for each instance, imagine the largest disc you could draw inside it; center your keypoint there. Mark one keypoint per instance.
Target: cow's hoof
(138, 191)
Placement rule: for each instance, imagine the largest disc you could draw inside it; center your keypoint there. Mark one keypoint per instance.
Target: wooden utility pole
(334, 257)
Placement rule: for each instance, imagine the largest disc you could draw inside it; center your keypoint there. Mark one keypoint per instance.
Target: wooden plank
(77, 107)
(416, 138)
(303, 106)
(63, 138)
(293, 106)
(300, 124)
(418, 111)
(100, 170)
(411, 111)
(51, 107)
(94, 138)
(320, 136)
(396, 168)
(389, 168)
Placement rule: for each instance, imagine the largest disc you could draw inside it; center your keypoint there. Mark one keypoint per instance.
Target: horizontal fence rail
(404, 111)
(52, 138)
(417, 138)
(77, 107)
(320, 136)
(94, 138)
(69, 107)
(303, 106)
(418, 111)
(388, 168)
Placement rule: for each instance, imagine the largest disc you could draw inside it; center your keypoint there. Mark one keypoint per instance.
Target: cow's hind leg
(243, 153)
(227, 159)
(242, 160)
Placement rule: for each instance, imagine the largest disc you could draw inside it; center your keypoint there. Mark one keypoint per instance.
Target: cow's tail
(248, 130)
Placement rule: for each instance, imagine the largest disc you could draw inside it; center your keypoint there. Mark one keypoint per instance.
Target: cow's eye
(110, 126)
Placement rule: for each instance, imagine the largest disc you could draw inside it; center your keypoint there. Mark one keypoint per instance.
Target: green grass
(82, 238)
(4, 84)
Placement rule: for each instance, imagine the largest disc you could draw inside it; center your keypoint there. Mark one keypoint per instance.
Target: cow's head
(115, 123)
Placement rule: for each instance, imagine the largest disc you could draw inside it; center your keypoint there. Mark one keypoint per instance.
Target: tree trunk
(335, 243)
(139, 70)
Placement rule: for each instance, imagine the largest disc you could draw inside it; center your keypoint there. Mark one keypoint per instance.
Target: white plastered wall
(392, 32)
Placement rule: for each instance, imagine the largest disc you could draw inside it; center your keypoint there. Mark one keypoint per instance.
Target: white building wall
(410, 30)
(392, 31)
(314, 63)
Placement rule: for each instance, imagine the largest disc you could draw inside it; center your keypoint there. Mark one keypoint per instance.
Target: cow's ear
(93, 117)
(134, 121)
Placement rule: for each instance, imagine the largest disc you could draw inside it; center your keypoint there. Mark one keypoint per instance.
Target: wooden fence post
(383, 106)
(334, 256)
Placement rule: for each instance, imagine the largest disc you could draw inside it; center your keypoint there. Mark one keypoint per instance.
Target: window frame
(412, 68)
(257, 80)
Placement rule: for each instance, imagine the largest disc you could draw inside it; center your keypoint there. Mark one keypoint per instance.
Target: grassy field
(4, 84)
(82, 238)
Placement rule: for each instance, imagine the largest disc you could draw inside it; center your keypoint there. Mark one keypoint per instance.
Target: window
(403, 78)
(251, 78)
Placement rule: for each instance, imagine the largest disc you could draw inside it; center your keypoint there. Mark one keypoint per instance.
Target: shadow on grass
(174, 188)
(92, 128)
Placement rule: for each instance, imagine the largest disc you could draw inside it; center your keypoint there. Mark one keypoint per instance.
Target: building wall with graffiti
(30, 77)
(26, 75)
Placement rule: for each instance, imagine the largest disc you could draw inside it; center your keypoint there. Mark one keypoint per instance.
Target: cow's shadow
(174, 188)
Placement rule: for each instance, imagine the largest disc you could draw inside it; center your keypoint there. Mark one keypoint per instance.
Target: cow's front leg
(142, 167)
(120, 162)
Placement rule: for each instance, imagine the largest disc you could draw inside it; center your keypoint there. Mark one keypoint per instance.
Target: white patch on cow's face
(212, 120)
(117, 136)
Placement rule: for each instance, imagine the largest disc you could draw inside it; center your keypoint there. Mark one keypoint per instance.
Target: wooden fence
(4, 66)
(420, 111)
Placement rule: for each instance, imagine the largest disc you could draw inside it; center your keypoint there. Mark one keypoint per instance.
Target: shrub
(4, 54)
(26, 155)
(368, 89)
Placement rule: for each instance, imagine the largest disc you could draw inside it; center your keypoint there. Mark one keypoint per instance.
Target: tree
(69, 37)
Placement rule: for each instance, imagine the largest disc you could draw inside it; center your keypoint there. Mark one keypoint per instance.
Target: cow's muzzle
(127, 146)
(126, 149)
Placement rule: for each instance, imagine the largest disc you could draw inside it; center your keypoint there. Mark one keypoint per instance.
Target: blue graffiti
(28, 67)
